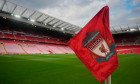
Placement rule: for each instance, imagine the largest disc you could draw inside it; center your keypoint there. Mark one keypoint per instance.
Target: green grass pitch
(62, 69)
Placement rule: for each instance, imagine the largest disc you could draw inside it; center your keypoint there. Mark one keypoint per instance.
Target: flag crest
(94, 46)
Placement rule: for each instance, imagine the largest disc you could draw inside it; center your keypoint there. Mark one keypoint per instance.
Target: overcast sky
(79, 12)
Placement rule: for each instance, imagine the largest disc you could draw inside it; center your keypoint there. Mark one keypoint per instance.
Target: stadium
(34, 50)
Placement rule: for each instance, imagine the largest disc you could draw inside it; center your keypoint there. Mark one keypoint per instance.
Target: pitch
(62, 69)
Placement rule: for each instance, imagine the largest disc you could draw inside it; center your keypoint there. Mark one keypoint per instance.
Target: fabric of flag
(95, 47)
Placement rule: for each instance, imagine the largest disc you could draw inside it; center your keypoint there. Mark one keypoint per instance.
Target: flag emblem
(97, 44)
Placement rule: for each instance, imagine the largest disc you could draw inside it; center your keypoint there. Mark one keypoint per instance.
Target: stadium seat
(10, 36)
(136, 50)
(26, 46)
(55, 49)
(1, 36)
(31, 38)
(131, 49)
(13, 48)
(20, 37)
(30, 49)
(69, 49)
(1, 50)
(43, 49)
(63, 48)
(41, 39)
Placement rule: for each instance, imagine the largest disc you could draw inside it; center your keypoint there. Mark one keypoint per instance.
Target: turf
(62, 69)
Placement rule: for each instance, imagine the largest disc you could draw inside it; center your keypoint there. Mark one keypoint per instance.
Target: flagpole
(108, 80)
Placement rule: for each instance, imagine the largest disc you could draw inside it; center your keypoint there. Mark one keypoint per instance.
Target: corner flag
(94, 46)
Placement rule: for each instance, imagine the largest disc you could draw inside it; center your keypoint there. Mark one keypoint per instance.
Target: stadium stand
(10, 36)
(19, 47)
(49, 35)
(125, 39)
(30, 38)
(68, 48)
(1, 36)
(55, 49)
(18, 44)
(136, 51)
(128, 43)
(12, 48)
(30, 49)
(21, 42)
(41, 39)
(62, 48)
(43, 49)
(20, 37)
(128, 49)
(1, 49)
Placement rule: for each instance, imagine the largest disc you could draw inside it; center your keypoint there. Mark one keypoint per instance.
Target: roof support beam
(39, 16)
(72, 30)
(14, 9)
(60, 24)
(64, 25)
(120, 28)
(23, 12)
(3, 4)
(51, 21)
(44, 19)
(68, 27)
(75, 28)
(55, 22)
(32, 14)
(128, 27)
(114, 29)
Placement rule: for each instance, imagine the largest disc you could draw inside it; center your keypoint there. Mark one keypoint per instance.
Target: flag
(95, 47)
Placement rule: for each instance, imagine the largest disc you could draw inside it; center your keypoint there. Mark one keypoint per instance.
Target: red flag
(94, 46)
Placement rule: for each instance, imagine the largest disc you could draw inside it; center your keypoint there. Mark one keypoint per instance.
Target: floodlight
(32, 20)
(62, 28)
(4, 17)
(133, 29)
(127, 30)
(12, 14)
(17, 16)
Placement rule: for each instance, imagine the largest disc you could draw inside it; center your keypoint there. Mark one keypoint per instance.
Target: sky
(80, 12)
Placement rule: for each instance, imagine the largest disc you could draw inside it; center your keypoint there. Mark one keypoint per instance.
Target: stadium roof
(12, 10)
(37, 17)
(125, 28)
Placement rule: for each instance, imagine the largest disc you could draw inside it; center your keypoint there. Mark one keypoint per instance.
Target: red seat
(41, 39)
(31, 38)
(1, 36)
(135, 49)
(20, 37)
(10, 36)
